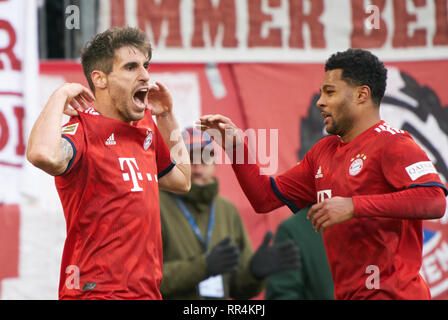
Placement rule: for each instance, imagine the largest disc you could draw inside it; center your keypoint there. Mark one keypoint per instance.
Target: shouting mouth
(140, 98)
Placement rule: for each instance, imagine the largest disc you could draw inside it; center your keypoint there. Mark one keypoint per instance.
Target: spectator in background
(207, 252)
(312, 281)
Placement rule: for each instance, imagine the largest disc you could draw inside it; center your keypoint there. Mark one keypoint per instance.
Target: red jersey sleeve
(297, 184)
(163, 156)
(73, 132)
(406, 165)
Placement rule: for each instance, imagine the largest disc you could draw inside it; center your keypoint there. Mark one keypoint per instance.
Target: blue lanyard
(195, 227)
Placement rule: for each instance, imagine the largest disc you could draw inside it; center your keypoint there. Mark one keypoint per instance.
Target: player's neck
(106, 108)
(360, 126)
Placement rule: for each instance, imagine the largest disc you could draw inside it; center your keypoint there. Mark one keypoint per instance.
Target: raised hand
(221, 129)
(77, 98)
(223, 258)
(159, 99)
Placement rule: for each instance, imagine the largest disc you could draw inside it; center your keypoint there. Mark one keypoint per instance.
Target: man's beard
(342, 126)
(122, 106)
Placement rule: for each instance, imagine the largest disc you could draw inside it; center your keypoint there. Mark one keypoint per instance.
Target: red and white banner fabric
(283, 30)
(18, 75)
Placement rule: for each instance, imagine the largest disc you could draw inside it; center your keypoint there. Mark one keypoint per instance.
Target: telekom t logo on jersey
(323, 194)
(131, 172)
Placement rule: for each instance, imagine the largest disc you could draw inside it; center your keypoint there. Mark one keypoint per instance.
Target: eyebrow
(134, 64)
(327, 86)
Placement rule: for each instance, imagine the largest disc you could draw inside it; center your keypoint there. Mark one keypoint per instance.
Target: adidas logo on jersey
(319, 173)
(111, 140)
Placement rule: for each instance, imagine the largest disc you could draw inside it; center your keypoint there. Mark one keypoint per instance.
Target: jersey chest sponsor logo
(132, 173)
(323, 194)
(356, 164)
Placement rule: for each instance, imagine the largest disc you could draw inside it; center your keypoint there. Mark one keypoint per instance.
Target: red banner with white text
(18, 74)
(283, 31)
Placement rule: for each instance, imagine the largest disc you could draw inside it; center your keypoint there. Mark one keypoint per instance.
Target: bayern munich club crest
(148, 140)
(357, 163)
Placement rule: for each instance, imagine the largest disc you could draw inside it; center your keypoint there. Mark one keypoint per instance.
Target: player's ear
(99, 79)
(363, 94)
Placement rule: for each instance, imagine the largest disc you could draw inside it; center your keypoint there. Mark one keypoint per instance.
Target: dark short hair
(99, 53)
(361, 67)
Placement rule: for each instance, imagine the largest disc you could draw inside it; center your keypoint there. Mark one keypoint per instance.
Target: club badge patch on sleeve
(419, 169)
(71, 129)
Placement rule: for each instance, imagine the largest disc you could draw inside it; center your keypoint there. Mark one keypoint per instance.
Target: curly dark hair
(98, 54)
(361, 67)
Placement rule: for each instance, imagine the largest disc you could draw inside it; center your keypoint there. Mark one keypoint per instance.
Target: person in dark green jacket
(312, 281)
(207, 253)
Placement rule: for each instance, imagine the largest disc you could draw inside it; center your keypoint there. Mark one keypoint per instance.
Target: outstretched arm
(47, 150)
(256, 187)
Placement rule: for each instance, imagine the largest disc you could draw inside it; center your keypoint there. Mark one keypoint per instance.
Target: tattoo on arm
(67, 151)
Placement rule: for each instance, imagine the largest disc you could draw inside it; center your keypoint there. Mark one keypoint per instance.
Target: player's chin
(139, 116)
(329, 129)
(137, 112)
(135, 115)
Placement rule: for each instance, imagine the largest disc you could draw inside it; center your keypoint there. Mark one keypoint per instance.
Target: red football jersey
(110, 197)
(380, 160)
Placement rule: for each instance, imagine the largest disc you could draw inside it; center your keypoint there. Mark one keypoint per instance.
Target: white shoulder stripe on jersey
(91, 110)
(388, 128)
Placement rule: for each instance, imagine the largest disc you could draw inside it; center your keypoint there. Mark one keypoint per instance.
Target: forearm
(169, 129)
(256, 187)
(44, 143)
(181, 174)
(413, 203)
